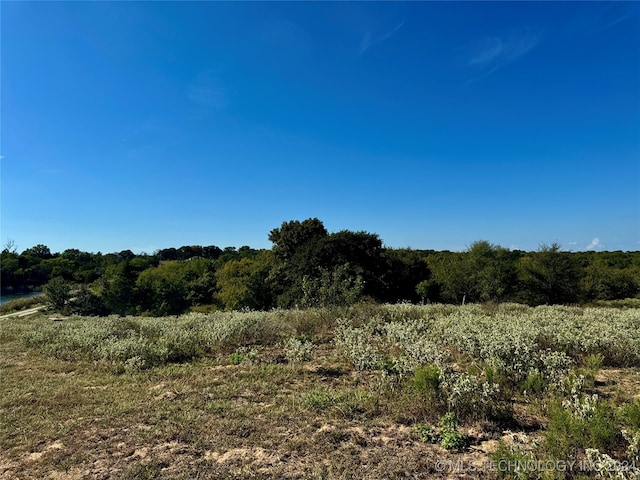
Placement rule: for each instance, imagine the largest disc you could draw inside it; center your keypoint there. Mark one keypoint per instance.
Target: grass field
(375, 392)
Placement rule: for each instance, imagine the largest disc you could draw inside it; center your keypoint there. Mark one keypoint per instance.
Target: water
(15, 296)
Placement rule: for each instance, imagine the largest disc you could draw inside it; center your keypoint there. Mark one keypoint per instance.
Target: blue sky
(149, 125)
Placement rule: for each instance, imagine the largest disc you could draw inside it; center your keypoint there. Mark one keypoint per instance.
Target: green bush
(570, 430)
(630, 414)
(298, 350)
(450, 437)
(426, 433)
(534, 383)
(426, 380)
(511, 463)
(57, 291)
(593, 362)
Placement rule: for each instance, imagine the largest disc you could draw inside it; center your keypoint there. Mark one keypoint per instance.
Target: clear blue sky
(434, 124)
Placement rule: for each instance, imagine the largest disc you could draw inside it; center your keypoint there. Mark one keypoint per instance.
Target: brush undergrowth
(455, 367)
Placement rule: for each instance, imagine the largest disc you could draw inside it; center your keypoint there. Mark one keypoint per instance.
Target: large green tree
(405, 269)
(119, 292)
(492, 271)
(308, 257)
(603, 282)
(360, 253)
(58, 293)
(452, 273)
(173, 286)
(299, 252)
(246, 283)
(11, 273)
(550, 276)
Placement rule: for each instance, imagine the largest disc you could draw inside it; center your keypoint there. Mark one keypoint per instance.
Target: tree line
(309, 266)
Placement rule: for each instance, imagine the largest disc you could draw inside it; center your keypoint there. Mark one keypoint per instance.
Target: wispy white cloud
(594, 17)
(611, 14)
(370, 38)
(615, 21)
(489, 54)
(595, 244)
(488, 49)
(207, 90)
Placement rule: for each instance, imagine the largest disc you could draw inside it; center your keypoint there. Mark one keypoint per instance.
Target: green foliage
(405, 270)
(308, 266)
(351, 403)
(428, 290)
(512, 463)
(11, 273)
(243, 354)
(426, 380)
(337, 287)
(298, 239)
(630, 414)
(581, 423)
(314, 267)
(298, 350)
(450, 437)
(452, 272)
(87, 303)
(245, 284)
(551, 276)
(119, 287)
(319, 400)
(169, 288)
(485, 272)
(593, 362)
(492, 271)
(426, 433)
(535, 383)
(57, 293)
(236, 358)
(602, 282)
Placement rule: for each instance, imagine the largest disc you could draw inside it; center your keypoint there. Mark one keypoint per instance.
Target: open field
(375, 392)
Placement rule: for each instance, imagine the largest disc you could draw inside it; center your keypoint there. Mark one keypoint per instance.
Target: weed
(512, 463)
(298, 350)
(388, 366)
(630, 414)
(535, 383)
(450, 437)
(590, 424)
(426, 380)
(593, 362)
(426, 433)
(318, 400)
(243, 354)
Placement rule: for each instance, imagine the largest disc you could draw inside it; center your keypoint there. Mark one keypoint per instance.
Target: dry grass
(218, 416)
(203, 419)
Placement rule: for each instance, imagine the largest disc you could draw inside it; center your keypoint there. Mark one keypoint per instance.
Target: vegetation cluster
(538, 382)
(310, 267)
